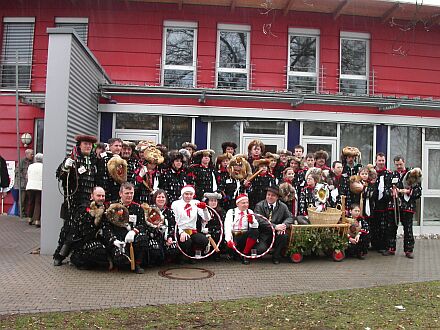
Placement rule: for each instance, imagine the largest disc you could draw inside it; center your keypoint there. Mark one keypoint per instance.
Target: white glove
(118, 243)
(129, 238)
(143, 171)
(68, 163)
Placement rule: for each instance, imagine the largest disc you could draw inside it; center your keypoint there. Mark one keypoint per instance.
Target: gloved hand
(250, 218)
(143, 171)
(129, 238)
(118, 243)
(68, 163)
(231, 244)
(201, 205)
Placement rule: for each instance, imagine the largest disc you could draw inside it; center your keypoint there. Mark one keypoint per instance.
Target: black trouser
(406, 219)
(378, 230)
(196, 241)
(360, 248)
(91, 254)
(280, 243)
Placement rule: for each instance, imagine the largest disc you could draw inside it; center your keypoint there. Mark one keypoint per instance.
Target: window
(221, 131)
(315, 128)
(18, 36)
(175, 131)
(354, 63)
(79, 24)
(39, 133)
(179, 54)
(359, 136)
(232, 64)
(406, 141)
(137, 121)
(303, 59)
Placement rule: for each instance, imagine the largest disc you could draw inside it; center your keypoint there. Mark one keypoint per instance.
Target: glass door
(431, 184)
(312, 144)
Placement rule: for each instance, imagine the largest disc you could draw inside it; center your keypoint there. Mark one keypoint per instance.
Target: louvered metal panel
(85, 77)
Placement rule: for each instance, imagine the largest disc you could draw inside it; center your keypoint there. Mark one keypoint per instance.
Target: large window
(406, 141)
(179, 54)
(233, 56)
(79, 24)
(303, 59)
(359, 136)
(354, 63)
(137, 121)
(222, 131)
(18, 39)
(175, 131)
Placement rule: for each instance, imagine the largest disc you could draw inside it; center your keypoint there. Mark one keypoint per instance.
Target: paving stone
(30, 283)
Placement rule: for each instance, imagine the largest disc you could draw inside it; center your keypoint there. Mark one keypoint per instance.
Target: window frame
(299, 32)
(233, 28)
(17, 20)
(74, 20)
(358, 36)
(178, 25)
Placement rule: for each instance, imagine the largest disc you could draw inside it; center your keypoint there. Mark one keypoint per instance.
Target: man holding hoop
(186, 211)
(241, 227)
(280, 217)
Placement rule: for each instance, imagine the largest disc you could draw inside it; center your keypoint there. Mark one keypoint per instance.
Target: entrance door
(133, 135)
(272, 143)
(431, 184)
(327, 144)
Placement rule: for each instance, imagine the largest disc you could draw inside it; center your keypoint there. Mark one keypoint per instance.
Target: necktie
(240, 222)
(187, 208)
(270, 211)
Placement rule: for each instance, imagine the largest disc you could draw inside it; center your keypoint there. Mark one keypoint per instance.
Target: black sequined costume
(341, 183)
(105, 181)
(406, 209)
(361, 247)
(257, 190)
(203, 179)
(132, 165)
(307, 197)
(111, 232)
(145, 185)
(88, 251)
(351, 170)
(230, 188)
(379, 224)
(172, 182)
(78, 182)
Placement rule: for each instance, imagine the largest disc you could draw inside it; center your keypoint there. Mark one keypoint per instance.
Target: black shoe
(409, 255)
(361, 256)
(276, 261)
(57, 262)
(139, 270)
(389, 253)
(245, 261)
(382, 251)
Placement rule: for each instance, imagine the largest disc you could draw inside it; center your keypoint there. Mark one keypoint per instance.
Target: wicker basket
(330, 216)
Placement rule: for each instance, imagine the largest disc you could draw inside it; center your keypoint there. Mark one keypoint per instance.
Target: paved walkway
(30, 283)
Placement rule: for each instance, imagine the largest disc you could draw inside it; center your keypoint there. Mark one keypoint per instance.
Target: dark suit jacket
(280, 214)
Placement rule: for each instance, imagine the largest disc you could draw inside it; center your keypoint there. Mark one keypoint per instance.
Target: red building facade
(323, 74)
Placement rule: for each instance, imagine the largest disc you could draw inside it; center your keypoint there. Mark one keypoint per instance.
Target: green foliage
(317, 241)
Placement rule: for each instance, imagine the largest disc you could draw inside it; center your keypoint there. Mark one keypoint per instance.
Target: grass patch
(344, 309)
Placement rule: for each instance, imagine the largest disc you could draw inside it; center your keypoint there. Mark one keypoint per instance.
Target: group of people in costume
(137, 205)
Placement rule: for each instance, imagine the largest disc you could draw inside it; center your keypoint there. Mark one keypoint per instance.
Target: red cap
(241, 197)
